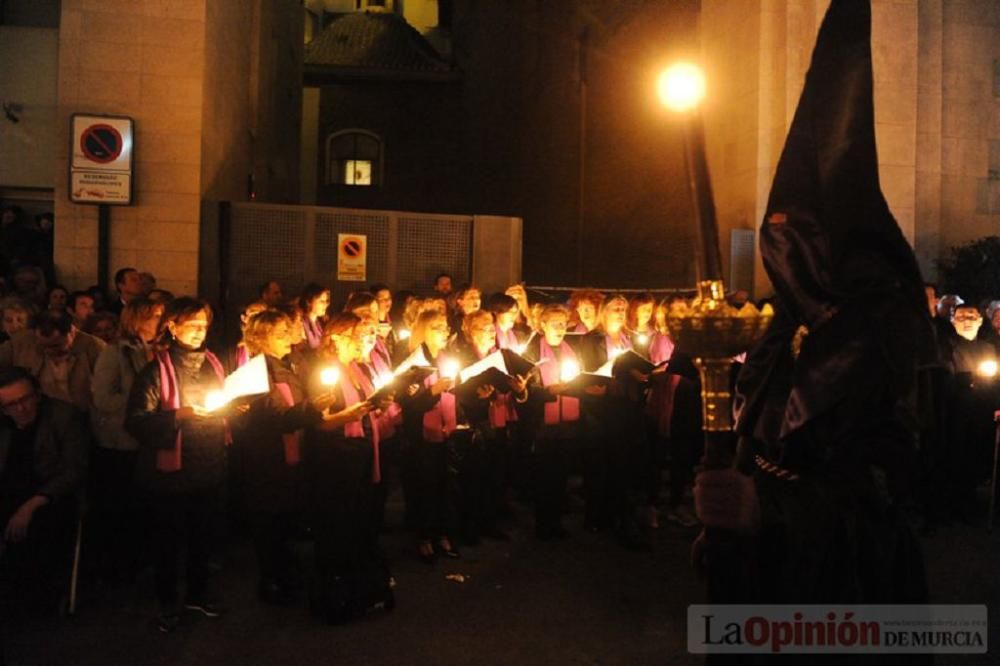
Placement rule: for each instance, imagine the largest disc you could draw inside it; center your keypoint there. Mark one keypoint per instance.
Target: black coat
(271, 484)
(203, 444)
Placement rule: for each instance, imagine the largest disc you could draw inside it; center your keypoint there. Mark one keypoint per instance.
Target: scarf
(441, 419)
(313, 331)
(564, 409)
(353, 377)
(292, 440)
(169, 460)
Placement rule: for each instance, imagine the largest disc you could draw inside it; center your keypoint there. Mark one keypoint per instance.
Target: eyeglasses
(21, 403)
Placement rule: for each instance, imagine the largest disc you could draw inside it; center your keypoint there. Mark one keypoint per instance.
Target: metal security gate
(296, 245)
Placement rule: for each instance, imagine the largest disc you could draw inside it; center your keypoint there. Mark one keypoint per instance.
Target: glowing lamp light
(681, 87)
(449, 369)
(404, 334)
(568, 370)
(215, 400)
(987, 368)
(329, 376)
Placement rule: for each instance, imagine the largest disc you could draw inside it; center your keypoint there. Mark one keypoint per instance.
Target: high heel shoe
(445, 548)
(425, 552)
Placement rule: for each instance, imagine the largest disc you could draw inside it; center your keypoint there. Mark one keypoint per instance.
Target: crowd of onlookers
(107, 415)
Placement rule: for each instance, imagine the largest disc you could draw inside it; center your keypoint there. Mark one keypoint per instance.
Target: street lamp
(711, 330)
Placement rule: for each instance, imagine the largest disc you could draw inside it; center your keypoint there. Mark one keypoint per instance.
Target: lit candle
(449, 369)
(215, 400)
(568, 370)
(987, 368)
(404, 334)
(329, 376)
(615, 353)
(519, 349)
(642, 339)
(382, 380)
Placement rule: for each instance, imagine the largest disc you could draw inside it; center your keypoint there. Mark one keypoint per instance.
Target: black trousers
(35, 571)
(118, 513)
(430, 478)
(273, 536)
(345, 514)
(178, 520)
(554, 448)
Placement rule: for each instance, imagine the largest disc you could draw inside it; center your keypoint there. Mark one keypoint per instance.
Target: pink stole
(506, 339)
(441, 419)
(169, 460)
(313, 331)
(564, 409)
(349, 375)
(500, 409)
(660, 402)
(242, 356)
(393, 416)
(292, 440)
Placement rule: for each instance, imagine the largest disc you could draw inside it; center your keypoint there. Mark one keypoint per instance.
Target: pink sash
(441, 419)
(393, 415)
(169, 460)
(660, 401)
(506, 339)
(242, 356)
(352, 397)
(564, 409)
(313, 331)
(292, 440)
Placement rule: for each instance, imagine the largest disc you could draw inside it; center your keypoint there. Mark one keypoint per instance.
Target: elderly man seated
(59, 356)
(43, 457)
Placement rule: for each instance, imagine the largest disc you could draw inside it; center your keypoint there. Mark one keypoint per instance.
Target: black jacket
(203, 444)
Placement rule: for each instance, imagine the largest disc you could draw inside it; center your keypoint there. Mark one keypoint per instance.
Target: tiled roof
(374, 44)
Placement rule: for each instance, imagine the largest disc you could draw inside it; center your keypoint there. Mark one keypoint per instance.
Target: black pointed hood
(837, 259)
(828, 235)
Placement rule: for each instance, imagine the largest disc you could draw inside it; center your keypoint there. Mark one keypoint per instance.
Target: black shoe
(447, 550)
(203, 607)
(167, 622)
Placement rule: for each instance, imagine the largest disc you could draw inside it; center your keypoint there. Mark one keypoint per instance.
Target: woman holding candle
(182, 453)
(559, 421)
(585, 307)
(344, 471)
(430, 419)
(270, 433)
(314, 302)
(639, 322)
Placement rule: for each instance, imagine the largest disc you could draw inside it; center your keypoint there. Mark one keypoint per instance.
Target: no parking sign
(352, 257)
(101, 166)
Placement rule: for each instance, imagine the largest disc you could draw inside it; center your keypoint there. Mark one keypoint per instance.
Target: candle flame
(449, 369)
(329, 376)
(382, 380)
(643, 338)
(404, 334)
(215, 400)
(987, 368)
(568, 370)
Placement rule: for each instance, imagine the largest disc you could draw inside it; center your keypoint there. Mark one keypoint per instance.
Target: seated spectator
(43, 457)
(58, 298)
(16, 317)
(80, 306)
(103, 325)
(59, 356)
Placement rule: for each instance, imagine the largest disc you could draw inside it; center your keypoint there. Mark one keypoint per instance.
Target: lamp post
(710, 330)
